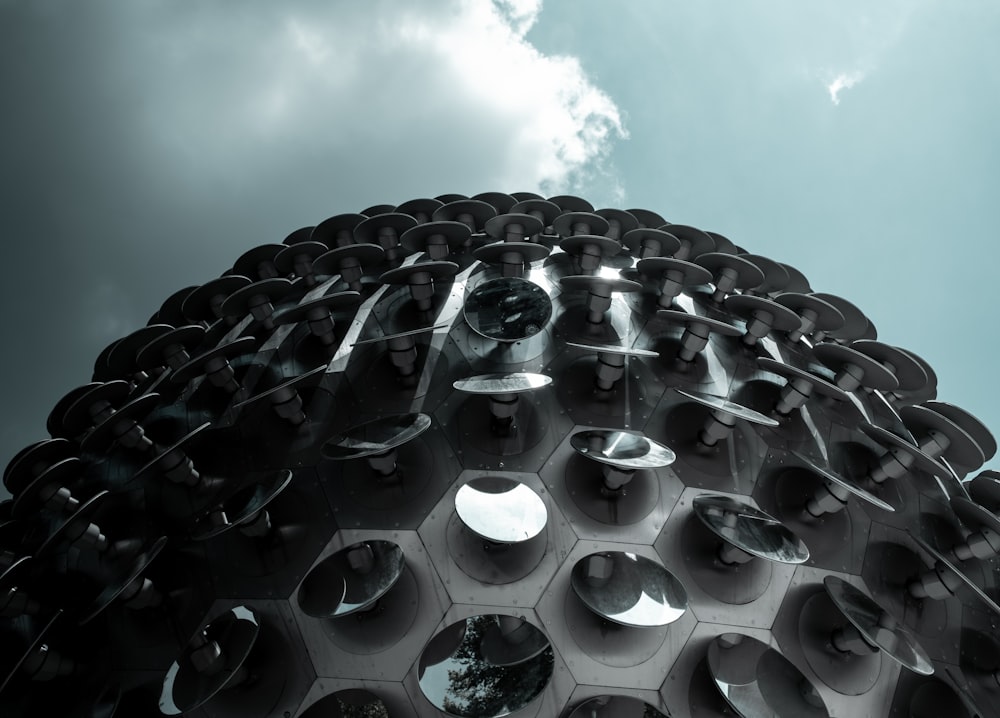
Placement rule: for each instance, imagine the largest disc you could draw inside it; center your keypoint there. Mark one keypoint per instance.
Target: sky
(147, 144)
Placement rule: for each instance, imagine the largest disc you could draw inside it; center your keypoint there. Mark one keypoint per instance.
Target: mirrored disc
(724, 405)
(456, 678)
(184, 688)
(347, 704)
(400, 335)
(501, 510)
(844, 483)
(629, 589)
(622, 449)
(947, 565)
(376, 437)
(513, 383)
(974, 517)
(921, 460)
(335, 588)
(750, 529)
(759, 682)
(615, 707)
(877, 626)
(613, 349)
(507, 309)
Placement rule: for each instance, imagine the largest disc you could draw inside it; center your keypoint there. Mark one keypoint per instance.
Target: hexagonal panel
(378, 644)
(745, 595)
(805, 624)
(577, 485)
(603, 652)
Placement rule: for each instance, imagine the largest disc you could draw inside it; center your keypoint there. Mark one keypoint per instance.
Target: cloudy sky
(146, 144)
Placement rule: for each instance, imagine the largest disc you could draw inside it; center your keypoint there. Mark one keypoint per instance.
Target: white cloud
(843, 81)
(442, 90)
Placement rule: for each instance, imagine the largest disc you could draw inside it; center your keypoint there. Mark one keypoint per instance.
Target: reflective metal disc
(194, 368)
(400, 335)
(969, 423)
(877, 626)
(985, 489)
(612, 349)
(351, 580)
(508, 309)
(513, 383)
(975, 517)
(855, 321)
(910, 375)
(184, 688)
(176, 446)
(750, 529)
(456, 678)
(629, 589)
(844, 483)
(64, 529)
(962, 448)
(118, 577)
(828, 317)
(837, 356)
(819, 384)
(292, 384)
(728, 407)
(241, 505)
(946, 564)
(501, 510)
(376, 437)
(921, 459)
(713, 325)
(422, 270)
(511, 648)
(615, 707)
(347, 703)
(103, 434)
(622, 449)
(603, 286)
(748, 306)
(759, 682)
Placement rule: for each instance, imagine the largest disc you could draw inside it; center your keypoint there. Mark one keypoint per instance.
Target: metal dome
(434, 484)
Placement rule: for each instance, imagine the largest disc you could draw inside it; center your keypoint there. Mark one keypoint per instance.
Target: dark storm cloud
(147, 144)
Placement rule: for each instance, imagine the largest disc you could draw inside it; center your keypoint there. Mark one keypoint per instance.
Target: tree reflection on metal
(462, 677)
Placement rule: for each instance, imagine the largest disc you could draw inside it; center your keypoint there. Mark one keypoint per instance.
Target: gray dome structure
(522, 465)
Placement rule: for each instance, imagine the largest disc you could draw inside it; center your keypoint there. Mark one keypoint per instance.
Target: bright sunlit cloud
(452, 88)
(843, 81)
